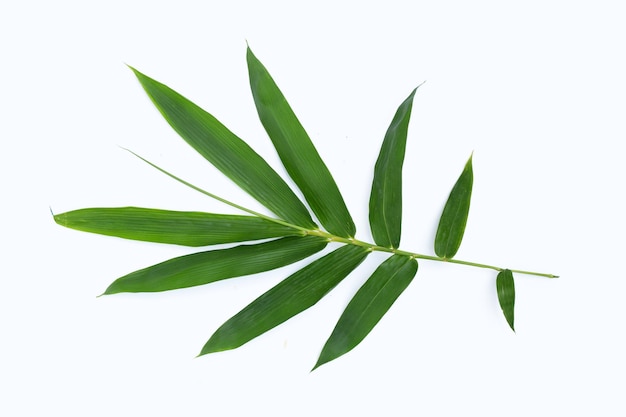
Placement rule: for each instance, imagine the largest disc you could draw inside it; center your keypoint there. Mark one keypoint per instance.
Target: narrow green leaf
(454, 216)
(506, 295)
(386, 197)
(187, 228)
(205, 267)
(296, 151)
(227, 152)
(293, 295)
(368, 306)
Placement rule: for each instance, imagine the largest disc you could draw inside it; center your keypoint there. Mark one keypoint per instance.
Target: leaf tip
(213, 345)
(249, 53)
(133, 69)
(321, 361)
(111, 290)
(58, 218)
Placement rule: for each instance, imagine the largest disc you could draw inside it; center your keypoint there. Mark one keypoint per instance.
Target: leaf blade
(505, 286)
(385, 206)
(210, 266)
(185, 228)
(297, 152)
(454, 216)
(293, 295)
(227, 152)
(368, 306)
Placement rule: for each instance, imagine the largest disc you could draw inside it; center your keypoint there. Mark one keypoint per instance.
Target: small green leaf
(228, 153)
(454, 216)
(297, 153)
(293, 295)
(369, 305)
(188, 228)
(205, 267)
(506, 295)
(385, 209)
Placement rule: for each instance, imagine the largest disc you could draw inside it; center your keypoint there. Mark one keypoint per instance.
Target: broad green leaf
(188, 228)
(227, 152)
(369, 305)
(293, 295)
(296, 151)
(454, 216)
(386, 197)
(506, 295)
(205, 267)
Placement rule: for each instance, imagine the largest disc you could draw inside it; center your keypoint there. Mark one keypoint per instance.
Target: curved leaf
(296, 151)
(205, 267)
(506, 295)
(227, 152)
(293, 295)
(386, 197)
(369, 305)
(454, 216)
(187, 228)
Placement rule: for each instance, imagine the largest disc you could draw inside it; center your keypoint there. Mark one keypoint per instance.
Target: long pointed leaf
(205, 267)
(226, 152)
(505, 286)
(187, 228)
(296, 151)
(386, 197)
(368, 306)
(454, 217)
(290, 297)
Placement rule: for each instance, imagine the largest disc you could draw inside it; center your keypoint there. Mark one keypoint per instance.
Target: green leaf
(386, 198)
(228, 153)
(205, 267)
(297, 153)
(506, 295)
(188, 228)
(454, 216)
(369, 305)
(293, 295)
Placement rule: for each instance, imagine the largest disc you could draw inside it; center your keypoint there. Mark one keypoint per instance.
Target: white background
(535, 89)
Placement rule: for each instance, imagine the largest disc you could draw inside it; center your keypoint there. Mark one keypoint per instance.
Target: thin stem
(215, 197)
(333, 238)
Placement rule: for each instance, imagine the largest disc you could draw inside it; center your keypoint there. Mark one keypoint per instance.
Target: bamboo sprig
(334, 238)
(290, 234)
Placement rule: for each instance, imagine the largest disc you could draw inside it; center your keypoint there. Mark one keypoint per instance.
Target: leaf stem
(334, 238)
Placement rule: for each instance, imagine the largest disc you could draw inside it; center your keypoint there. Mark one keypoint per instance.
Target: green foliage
(369, 305)
(292, 296)
(454, 217)
(297, 153)
(506, 295)
(385, 211)
(291, 234)
(204, 267)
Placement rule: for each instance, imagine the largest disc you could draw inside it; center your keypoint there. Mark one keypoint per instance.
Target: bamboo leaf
(297, 153)
(293, 295)
(385, 208)
(368, 306)
(506, 295)
(227, 152)
(205, 267)
(188, 228)
(454, 216)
